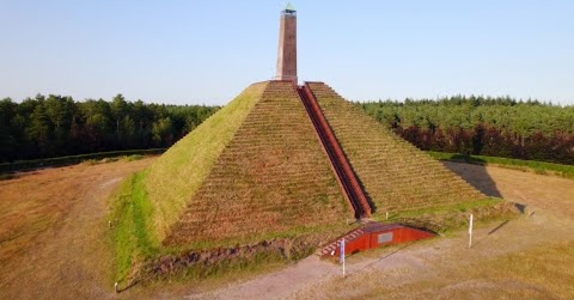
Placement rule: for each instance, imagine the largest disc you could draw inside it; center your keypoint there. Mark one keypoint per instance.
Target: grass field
(252, 173)
(54, 231)
(510, 259)
(29, 207)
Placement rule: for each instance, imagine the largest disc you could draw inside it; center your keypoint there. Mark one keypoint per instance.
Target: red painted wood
(343, 171)
(368, 238)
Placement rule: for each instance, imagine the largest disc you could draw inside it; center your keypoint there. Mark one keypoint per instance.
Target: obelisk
(287, 57)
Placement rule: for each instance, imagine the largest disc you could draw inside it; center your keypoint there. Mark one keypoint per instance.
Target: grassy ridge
(538, 167)
(132, 232)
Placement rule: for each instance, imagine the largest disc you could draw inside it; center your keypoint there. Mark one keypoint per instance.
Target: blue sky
(194, 52)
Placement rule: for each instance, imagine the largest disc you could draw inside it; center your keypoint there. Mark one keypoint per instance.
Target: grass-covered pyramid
(255, 172)
(252, 171)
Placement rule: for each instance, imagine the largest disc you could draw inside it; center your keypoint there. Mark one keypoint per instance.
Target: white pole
(470, 231)
(342, 255)
(343, 268)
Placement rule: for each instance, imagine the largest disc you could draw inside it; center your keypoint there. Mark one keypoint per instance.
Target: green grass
(542, 168)
(132, 233)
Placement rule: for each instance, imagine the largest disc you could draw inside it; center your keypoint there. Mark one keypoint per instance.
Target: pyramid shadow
(475, 175)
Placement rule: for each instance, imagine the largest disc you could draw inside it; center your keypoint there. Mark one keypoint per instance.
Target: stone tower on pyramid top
(287, 53)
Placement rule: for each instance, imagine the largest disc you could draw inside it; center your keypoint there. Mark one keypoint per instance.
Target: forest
(52, 126)
(502, 126)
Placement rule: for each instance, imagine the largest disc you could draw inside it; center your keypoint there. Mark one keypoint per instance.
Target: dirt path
(70, 260)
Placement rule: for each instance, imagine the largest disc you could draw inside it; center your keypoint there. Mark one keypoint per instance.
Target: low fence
(71, 160)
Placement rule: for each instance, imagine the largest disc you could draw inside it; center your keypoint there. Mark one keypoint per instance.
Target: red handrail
(344, 173)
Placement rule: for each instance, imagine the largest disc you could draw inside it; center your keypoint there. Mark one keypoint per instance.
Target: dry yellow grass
(52, 241)
(38, 200)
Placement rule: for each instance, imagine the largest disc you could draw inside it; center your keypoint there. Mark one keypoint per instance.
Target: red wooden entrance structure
(373, 235)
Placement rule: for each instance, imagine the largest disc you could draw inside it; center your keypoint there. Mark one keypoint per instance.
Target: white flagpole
(470, 231)
(342, 255)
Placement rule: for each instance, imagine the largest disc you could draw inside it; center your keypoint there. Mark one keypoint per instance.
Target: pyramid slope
(396, 175)
(271, 179)
(177, 175)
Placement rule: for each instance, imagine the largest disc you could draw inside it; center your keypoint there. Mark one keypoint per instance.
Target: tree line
(501, 126)
(51, 126)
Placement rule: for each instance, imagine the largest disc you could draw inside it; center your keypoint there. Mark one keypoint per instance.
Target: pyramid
(279, 170)
(260, 171)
